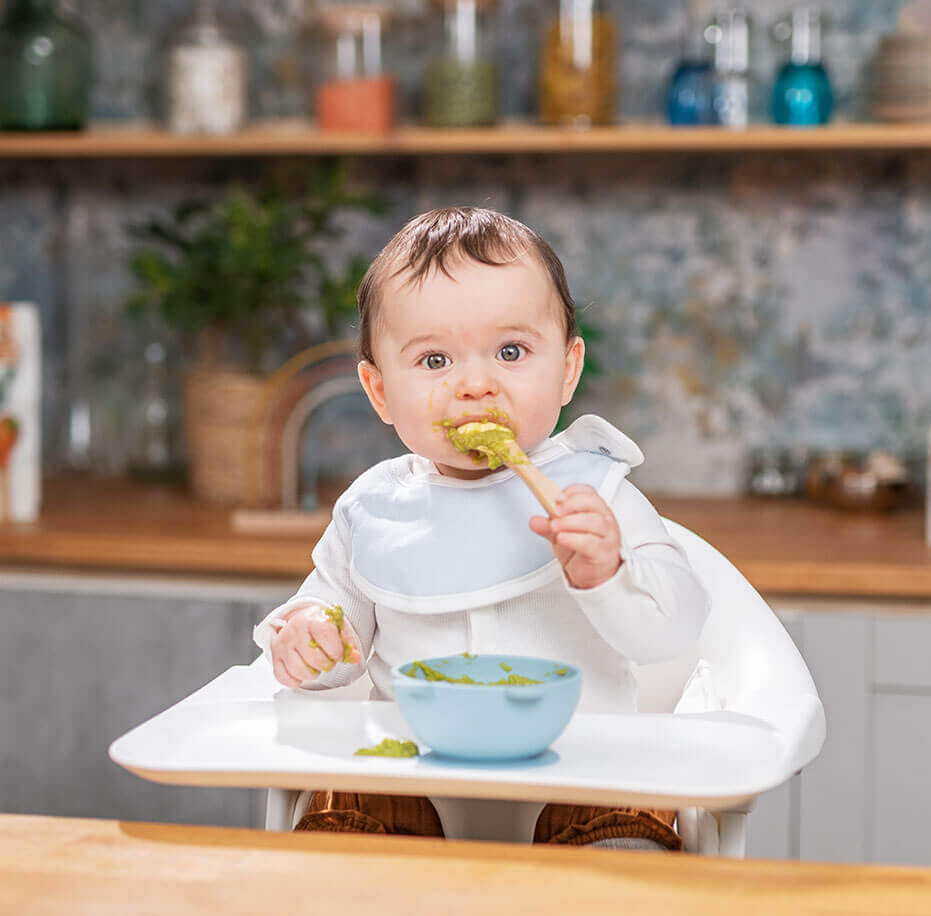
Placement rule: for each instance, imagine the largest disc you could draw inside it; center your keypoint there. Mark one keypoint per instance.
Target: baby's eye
(511, 352)
(435, 361)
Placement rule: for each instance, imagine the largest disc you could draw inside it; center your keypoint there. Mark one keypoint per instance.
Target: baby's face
(487, 344)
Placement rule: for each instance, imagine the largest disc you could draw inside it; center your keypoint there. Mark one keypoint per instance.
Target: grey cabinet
(83, 661)
(79, 669)
(866, 798)
(900, 801)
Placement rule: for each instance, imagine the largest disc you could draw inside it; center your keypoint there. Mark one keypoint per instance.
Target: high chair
(746, 664)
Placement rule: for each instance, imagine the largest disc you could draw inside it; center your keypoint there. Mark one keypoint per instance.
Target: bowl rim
(574, 672)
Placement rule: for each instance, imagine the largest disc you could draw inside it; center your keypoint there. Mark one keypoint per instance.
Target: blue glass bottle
(688, 95)
(802, 94)
(688, 102)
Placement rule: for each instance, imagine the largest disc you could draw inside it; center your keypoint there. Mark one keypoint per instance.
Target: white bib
(432, 545)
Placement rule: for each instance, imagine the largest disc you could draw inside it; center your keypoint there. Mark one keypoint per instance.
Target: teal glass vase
(45, 67)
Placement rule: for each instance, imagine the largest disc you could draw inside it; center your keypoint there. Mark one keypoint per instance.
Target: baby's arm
(300, 635)
(625, 572)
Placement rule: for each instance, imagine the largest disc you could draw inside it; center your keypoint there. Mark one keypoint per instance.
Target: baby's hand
(584, 535)
(313, 640)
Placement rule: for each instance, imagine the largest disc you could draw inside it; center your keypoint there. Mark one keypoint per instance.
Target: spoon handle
(542, 487)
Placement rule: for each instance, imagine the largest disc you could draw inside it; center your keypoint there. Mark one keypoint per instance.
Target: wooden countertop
(60, 865)
(782, 547)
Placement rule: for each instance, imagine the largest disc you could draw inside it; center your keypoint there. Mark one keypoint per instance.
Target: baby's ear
(575, 360)
(374, 385)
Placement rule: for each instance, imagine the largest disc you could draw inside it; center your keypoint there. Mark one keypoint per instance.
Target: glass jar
(45, 67)
(734, 92)
(577, 72)
(356, 93)
(462, 83)
(207, 76)
(150, 455)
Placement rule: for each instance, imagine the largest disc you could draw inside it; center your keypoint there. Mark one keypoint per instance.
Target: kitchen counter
(783, 547)
(53, 865)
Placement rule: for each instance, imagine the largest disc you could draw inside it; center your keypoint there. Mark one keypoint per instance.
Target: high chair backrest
(753, 664)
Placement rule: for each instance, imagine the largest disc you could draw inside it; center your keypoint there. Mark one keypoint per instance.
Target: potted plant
(232, 277)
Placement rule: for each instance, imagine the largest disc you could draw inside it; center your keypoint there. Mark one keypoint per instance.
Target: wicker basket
(220, 408)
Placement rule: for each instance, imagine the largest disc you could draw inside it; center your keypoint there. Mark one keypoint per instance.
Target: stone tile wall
(765, 299)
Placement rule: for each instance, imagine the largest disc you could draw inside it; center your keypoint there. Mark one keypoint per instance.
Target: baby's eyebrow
(501, 329)
(520, 329)
(419, 339)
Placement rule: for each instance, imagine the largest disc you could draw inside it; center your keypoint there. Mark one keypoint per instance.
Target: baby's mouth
(482, 440)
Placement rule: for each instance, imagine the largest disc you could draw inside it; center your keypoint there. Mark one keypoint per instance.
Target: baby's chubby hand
(584, 534)
(314, 639)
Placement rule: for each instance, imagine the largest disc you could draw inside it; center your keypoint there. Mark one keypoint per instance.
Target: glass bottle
(462, 83)
(45, 67)
(207, 76)
(733, 92)
(688, 99)
(802, 94)
(356, 93)
(150, 457)
(577, 73)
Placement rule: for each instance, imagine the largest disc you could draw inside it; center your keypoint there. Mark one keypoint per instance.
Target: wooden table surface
(62, 865)
(783, 547)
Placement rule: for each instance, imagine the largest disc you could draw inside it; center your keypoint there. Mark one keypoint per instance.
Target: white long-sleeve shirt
(427, 565)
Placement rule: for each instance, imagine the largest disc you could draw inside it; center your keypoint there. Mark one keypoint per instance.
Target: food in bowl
(461, 705)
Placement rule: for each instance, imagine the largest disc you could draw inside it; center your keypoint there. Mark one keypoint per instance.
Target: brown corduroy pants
(573, 825)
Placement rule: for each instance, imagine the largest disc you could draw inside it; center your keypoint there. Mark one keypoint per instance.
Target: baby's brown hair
(426, 241)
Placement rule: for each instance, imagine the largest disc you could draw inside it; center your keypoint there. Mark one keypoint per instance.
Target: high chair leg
(279, 809)
(491, 820)
(732, 833)
(718, 833)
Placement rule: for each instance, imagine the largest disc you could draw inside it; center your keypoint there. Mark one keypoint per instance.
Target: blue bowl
(498, 722)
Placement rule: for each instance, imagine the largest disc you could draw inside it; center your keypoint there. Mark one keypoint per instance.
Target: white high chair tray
(243, 729)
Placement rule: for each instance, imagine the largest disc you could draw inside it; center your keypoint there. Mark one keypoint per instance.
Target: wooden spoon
(497, 444)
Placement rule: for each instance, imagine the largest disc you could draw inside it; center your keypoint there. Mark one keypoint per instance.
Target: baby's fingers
(580, 498)
(327, 637)
(543, 527)
(282, 675)
(588, 545)
(582, 522)
(298, 667)
(351, 653)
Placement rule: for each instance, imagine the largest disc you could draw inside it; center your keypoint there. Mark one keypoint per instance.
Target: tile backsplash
(745, 299)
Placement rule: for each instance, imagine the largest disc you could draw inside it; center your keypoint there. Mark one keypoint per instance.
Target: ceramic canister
(20, 412)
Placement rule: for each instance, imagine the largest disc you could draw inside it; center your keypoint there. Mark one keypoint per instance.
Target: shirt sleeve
(328, 584)
(654, 607)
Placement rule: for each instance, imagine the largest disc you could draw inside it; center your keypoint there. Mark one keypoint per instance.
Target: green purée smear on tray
(389, 747)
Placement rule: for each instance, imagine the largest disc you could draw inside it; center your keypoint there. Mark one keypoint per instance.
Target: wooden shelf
(788, 547)
(299, 138)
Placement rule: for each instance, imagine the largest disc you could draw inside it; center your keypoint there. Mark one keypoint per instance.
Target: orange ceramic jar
(356, 94)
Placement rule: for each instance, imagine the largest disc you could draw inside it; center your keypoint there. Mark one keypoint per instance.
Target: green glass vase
(45, 67)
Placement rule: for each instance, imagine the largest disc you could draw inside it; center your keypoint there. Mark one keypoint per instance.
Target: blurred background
(189, 194)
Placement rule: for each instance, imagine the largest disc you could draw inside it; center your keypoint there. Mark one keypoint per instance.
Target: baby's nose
(475, 384)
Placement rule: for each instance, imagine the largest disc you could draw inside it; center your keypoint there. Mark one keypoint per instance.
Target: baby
(466, 316)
